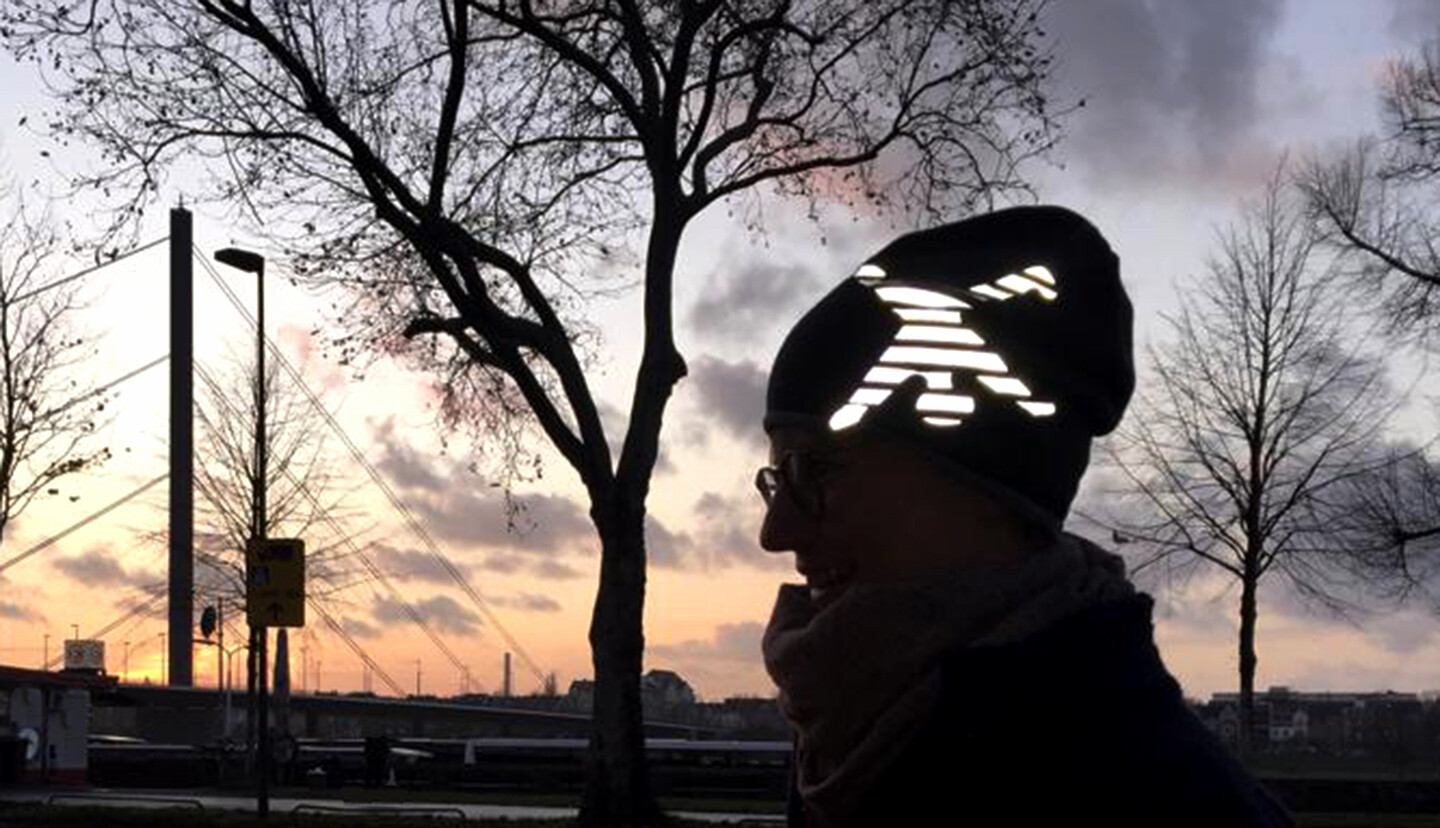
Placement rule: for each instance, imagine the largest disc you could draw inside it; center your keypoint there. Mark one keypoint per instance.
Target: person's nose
(784, 526)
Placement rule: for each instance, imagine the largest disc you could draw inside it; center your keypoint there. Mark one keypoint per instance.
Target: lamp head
(241, 259)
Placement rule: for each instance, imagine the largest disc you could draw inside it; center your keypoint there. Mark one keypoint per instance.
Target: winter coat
(1080, 724)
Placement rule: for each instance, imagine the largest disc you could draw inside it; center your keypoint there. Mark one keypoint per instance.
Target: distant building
(1286, 719)
(664, 688)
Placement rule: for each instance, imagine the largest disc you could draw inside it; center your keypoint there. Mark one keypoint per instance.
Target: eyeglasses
(800, 474)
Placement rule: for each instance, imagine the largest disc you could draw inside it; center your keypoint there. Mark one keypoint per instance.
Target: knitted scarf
(859, 678)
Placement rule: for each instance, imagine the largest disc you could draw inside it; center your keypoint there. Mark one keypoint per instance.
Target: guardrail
(384, 810)
(159, 800)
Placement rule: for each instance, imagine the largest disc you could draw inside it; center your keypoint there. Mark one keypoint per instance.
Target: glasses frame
(799, 473)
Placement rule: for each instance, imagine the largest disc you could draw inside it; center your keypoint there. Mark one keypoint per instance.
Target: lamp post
(255, 263)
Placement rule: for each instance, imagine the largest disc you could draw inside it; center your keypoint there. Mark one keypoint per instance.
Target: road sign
(275, 583)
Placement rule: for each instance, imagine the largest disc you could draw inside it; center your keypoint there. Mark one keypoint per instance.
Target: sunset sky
(1188, 108)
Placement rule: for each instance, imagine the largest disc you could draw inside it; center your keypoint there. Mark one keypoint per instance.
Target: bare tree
(1376, 206)
(1376, 203)
(49, 410)
(305, 496)
(1389, 521)
(1260, 405)
(467, 169)
(305, 493)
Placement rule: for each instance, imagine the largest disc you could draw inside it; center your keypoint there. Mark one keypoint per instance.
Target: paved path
(285, 804)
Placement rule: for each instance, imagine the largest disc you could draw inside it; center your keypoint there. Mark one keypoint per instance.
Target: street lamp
(255, 263)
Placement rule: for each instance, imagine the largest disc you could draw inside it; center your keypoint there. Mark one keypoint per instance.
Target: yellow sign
(275, 583)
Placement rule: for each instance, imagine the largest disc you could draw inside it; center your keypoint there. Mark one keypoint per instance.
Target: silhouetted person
(377, 757)
(955, 658)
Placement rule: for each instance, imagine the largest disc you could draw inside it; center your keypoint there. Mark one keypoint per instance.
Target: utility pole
(417, 676)
(182, 449)
(506, 691)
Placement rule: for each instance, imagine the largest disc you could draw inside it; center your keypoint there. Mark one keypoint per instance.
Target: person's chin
(826, 591)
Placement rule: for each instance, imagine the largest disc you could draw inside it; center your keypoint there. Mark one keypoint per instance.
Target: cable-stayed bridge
(174, 599)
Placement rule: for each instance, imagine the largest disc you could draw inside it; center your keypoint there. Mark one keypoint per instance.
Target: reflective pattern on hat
(933, 337)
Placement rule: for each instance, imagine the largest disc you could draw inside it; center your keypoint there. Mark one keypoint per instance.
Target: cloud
(663, 547)
(456, 506)
(727, 534)
(554, 570)
(616, 423)
(19, 612)
(413, 565)
(525, 602)
(730, 642)
(756, 296)
(1402, 633)
(360, 629)
(1413, 19)
(1172, 88)
(731, 394)
(98, 567)
(440, 611)
(401, 464)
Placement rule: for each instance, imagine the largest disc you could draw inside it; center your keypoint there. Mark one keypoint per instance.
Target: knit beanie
(1000, 344)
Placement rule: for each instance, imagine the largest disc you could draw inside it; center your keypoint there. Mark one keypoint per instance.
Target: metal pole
(182, 449)
(220, 667)
(262, 805)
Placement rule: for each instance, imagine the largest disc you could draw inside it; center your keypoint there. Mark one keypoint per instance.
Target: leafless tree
(49, 410)
(1260, 405)
(1376, 203)
(467, 170)
(305, 493)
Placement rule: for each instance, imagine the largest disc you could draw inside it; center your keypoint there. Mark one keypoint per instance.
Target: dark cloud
(1171, 86)
(440, 611)
(616, 423)
(1402, 633)
(525, 602)
(533, 524)
(754, 297)
(732, 394)
(664, 548)
(554, 570)
(402, 465)
(458, 507)
(360, 629)
(412, 565)
(19, 612)
(98, 567)
(727, 533)
(731, 642)
(1414, 19)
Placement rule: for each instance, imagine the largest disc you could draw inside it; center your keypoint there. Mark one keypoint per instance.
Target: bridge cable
(406, 514)
(345, 538)
(92, 517)
(87, 271)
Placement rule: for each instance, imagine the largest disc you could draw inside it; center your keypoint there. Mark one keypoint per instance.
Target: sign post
(275, 583)
(274, 597)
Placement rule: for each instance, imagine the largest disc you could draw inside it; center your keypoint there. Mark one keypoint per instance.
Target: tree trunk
(617, 780)
(1248, 661)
